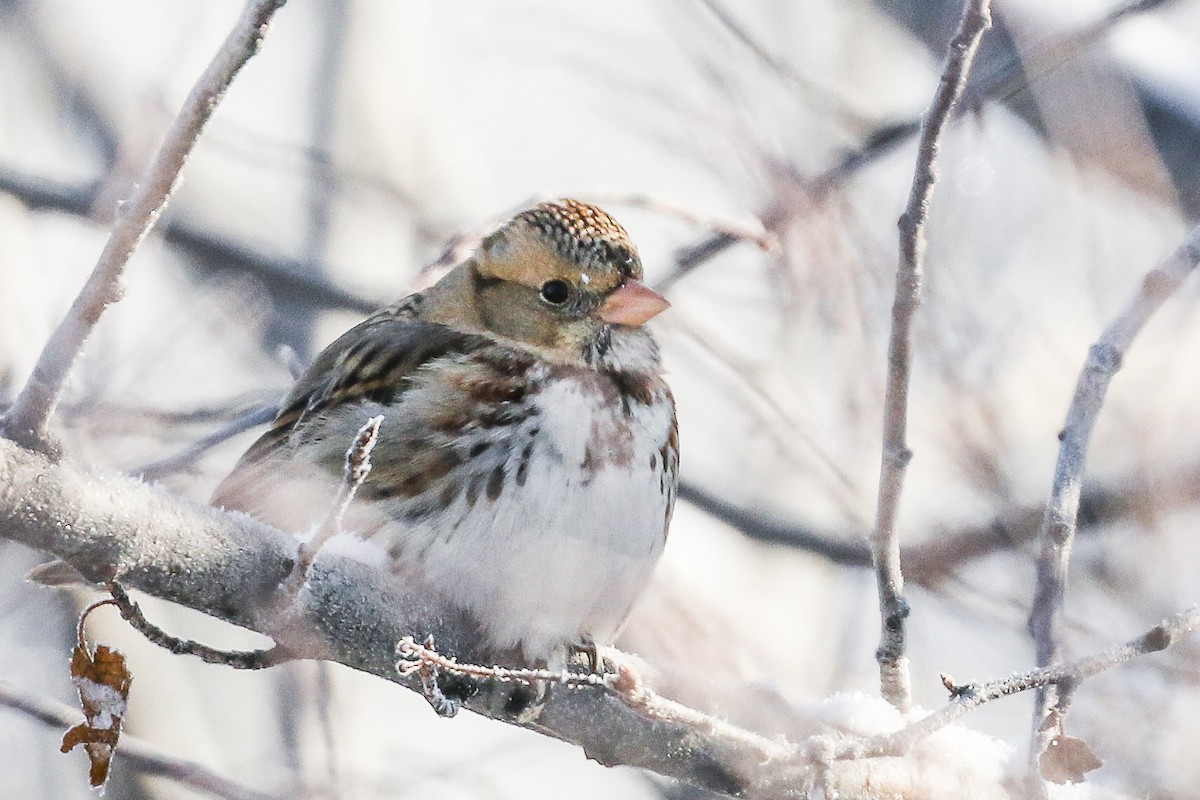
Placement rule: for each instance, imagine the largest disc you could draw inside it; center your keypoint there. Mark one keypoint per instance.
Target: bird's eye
(556, 292)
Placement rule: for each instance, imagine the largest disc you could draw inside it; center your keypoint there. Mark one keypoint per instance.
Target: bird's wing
(374, 361)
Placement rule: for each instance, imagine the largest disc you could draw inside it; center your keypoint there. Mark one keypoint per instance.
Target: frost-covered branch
(885, 540)
(1062, 511)
(27, 419)
(971, 696)
(232, 567)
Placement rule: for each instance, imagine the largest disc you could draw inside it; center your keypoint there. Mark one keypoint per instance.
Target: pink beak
(635, 303)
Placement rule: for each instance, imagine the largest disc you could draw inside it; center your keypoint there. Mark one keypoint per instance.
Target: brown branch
(1062, 510)
(134, 753)
(131, 612)
(885, 540)
(26, 421)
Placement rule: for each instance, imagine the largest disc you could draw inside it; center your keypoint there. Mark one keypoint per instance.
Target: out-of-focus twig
(1062, 510)
(26, 421)
(205, 250)
(1002, 84)
(190, 454)
(750, 229)
(135, 753)
(885, 540)
(931, 561)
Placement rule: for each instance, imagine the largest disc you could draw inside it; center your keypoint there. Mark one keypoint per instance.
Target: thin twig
(413, 655)
(828, 99)
(750, 229)
(192, 453)
(358, 467)
(83, 615)
(970, 696)
(1009, 80)
(885, 540)
(27, 420)
(135, 753)
(624, 683)
(238, 659)
(1062, 510)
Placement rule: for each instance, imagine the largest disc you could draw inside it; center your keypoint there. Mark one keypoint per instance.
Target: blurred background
(760, 153)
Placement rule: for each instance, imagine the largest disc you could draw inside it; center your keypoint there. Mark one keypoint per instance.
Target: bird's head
(560, 278)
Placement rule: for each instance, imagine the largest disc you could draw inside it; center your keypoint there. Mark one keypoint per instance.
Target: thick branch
(27, 419)
(1062, 511)
(230, 566)
(885, 541)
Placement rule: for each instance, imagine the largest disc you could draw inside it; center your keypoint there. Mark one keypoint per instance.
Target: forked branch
(1062, 511)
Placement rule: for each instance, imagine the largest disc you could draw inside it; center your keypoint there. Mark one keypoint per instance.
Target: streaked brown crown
(584, 234)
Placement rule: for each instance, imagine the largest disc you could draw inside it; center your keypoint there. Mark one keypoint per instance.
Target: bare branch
(192, 453)
(135, 753)
(131, 612)
(969, 697)
(358, 467)
(231, 566)
(26, 421)
(885, 541)
(1062, 510)
(750, 230)
(933, 559)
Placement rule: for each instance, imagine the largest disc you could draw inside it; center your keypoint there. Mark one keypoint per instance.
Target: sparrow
(525, 469)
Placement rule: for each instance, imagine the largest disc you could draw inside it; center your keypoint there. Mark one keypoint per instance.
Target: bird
(525, 470)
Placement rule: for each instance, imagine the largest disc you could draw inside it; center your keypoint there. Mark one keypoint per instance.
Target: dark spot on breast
(503, 414)
(478, 448)
(493, 389)
(506, 362)
(523, 467)
(495, 484)
(635, 387)
(448, 493)
(450, 420)
(653, 461)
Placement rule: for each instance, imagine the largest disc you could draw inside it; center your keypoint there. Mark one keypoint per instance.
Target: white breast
(563, 552)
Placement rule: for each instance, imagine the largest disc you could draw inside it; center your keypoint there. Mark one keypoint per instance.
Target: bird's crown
(584, 234)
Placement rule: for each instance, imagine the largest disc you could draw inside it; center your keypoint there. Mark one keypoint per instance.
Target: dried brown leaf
(1067, 759)
(103, 682)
